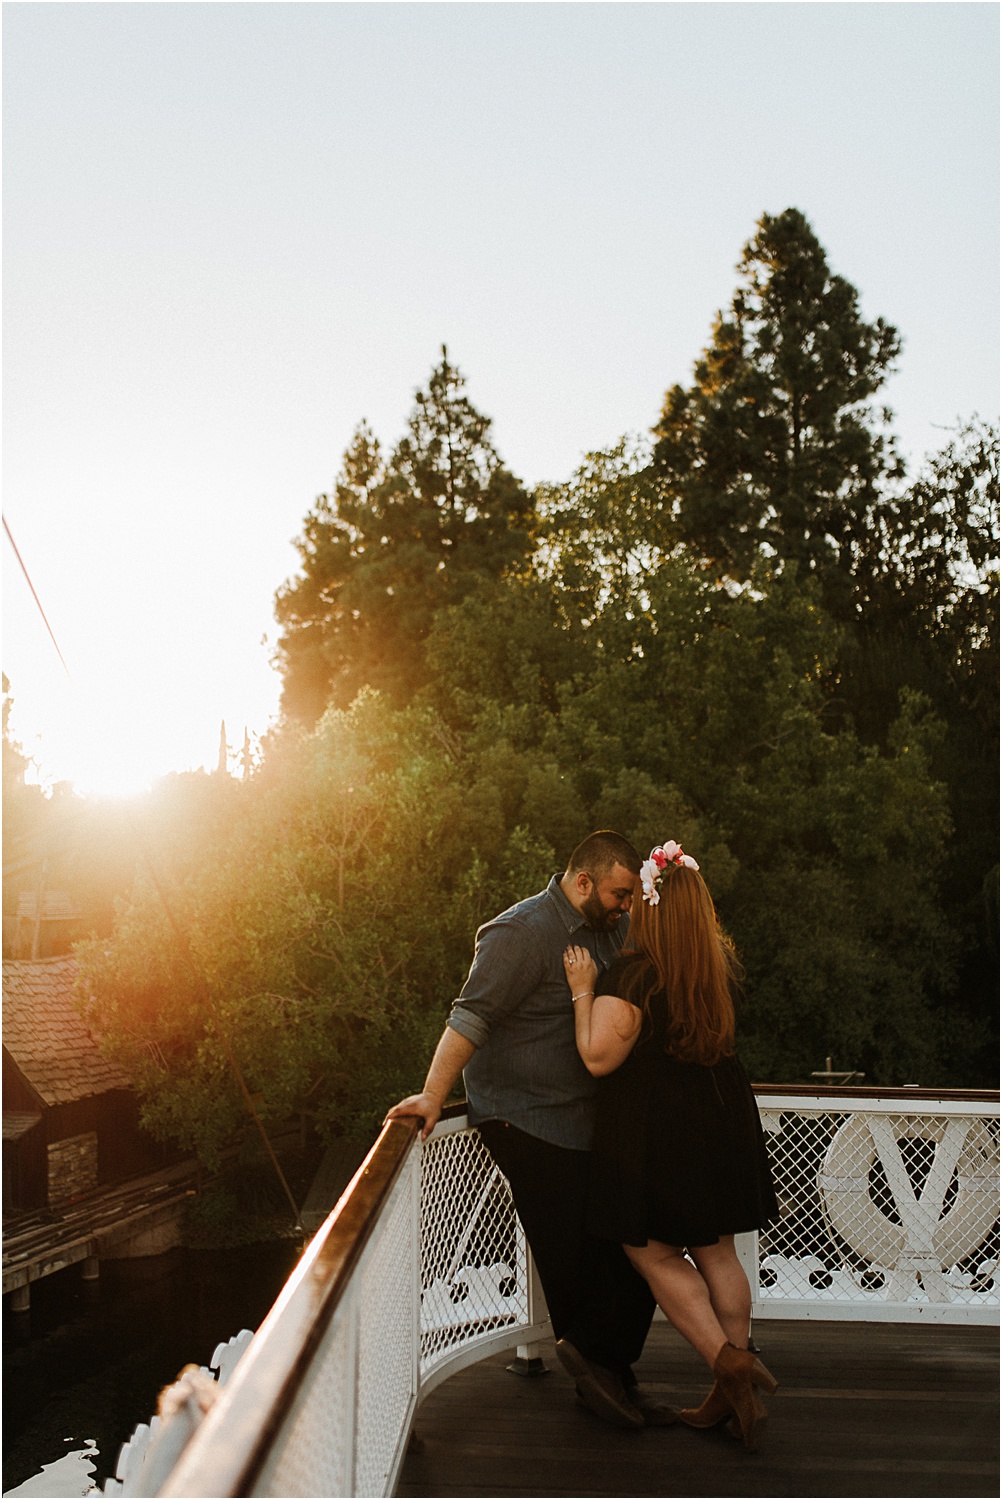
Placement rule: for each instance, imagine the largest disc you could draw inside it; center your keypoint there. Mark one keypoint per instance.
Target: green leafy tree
(705, 713)
(510, 644)
(603, 528)
(933, 575)
(329, 905)
(393, 543)
(822, 852)
(929, 622)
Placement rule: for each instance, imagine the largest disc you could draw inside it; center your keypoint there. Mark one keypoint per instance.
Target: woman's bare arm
(606, 1028)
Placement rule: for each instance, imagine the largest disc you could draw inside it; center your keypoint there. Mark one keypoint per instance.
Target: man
(511, 1033)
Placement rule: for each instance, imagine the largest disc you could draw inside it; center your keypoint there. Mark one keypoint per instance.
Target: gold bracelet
(582, 995)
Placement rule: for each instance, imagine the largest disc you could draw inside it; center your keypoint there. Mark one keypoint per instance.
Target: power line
(34, 595)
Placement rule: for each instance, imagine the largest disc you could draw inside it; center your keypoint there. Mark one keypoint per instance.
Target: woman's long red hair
(694, 964)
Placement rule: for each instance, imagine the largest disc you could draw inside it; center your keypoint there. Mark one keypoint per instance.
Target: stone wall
(72, 1167)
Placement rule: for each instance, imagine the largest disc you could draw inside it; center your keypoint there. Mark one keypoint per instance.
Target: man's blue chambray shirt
(516, 1008)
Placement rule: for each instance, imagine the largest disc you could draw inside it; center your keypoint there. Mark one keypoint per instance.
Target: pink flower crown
(653, 868)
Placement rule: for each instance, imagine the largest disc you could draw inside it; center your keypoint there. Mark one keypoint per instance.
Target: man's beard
(598, 916)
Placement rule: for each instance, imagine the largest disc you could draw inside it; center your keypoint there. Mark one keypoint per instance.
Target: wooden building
(48, 928)
(70, 1117)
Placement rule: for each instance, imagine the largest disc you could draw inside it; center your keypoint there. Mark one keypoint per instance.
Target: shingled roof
(47, 1038)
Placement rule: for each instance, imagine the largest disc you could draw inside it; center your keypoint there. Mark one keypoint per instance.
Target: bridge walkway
(42, 1241)
(864, 1409)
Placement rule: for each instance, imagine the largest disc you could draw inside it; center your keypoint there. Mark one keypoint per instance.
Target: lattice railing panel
(881, 1207)
(387, 1376)
(473, 1260)
(313, 1453)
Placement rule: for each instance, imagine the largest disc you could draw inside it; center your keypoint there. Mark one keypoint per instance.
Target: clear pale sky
(233, 230)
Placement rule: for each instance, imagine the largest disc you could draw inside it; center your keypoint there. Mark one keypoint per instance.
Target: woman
(679, 1161)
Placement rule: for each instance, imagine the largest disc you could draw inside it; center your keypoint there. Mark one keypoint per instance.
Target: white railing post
(746, 1246)
(538, 1312)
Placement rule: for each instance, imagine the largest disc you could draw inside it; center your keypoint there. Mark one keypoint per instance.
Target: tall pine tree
(393, 543)
(776, 450)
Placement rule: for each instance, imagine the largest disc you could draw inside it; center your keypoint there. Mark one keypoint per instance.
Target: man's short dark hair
(600, 851)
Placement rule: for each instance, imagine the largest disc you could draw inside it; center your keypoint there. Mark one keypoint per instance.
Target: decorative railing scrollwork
(888, 1210)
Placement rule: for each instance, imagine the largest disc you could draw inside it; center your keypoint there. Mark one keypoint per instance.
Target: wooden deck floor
(864, 1409)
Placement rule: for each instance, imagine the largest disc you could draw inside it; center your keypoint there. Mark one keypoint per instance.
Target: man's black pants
(595, 1297)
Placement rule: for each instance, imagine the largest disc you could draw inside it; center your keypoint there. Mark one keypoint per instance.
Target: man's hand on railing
(426, 1106)
(451, 1056)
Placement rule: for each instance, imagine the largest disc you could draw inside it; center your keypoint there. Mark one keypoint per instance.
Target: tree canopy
(754, 633)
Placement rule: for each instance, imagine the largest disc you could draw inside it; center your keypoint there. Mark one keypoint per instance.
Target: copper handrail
(261, 1392)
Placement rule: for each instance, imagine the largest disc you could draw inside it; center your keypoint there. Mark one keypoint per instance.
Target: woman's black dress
(679, 1155)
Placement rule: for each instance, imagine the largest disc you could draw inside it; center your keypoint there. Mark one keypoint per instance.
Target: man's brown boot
(600, 1389)
(654, 1409)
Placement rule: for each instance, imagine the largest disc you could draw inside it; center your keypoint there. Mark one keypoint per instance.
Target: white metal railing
(888, 1211)
(888, 1207)
(323, 1400)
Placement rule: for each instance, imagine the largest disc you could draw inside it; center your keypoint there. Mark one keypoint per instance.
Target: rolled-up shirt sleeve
(507, 966)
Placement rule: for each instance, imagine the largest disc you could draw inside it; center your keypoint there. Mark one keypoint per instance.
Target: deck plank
(864, 1409)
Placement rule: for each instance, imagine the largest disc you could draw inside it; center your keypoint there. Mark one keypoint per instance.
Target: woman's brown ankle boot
(713, 1411)
(740, 1376)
